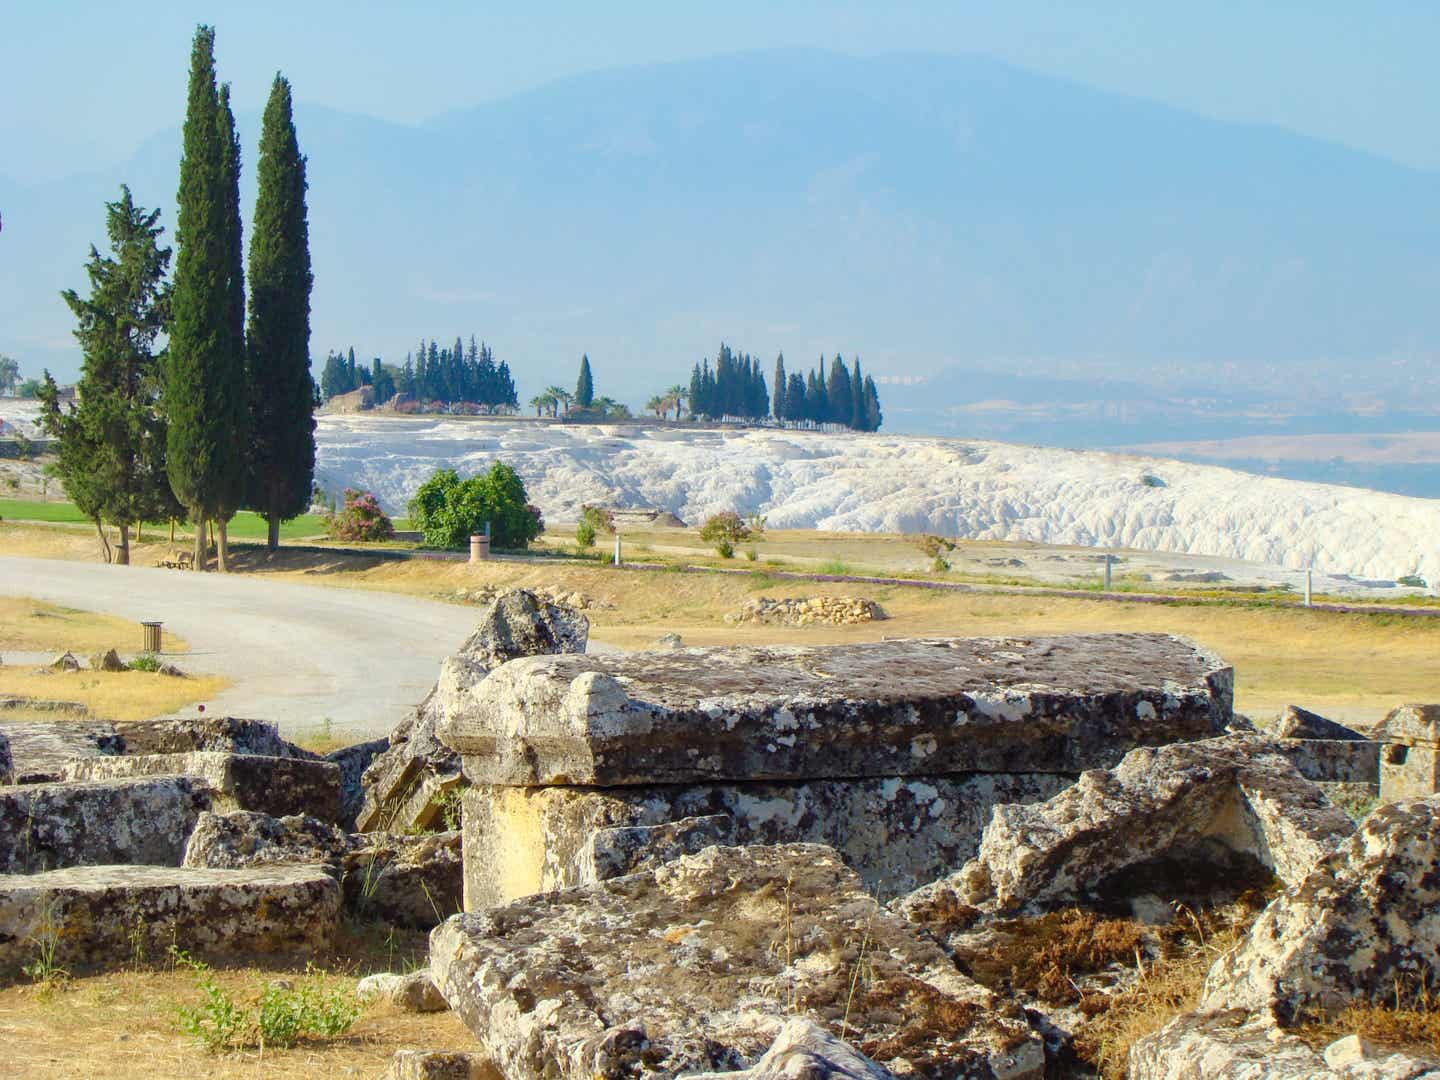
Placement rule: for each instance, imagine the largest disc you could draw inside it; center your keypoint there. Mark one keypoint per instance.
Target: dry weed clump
(1408, 1022)
(1164, 986)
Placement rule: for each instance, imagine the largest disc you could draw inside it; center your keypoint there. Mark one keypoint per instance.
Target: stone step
(886, 708)
(100, 917)
(271, 785)
(143, 819)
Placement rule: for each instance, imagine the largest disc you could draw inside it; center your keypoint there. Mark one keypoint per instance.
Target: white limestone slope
(893, 483)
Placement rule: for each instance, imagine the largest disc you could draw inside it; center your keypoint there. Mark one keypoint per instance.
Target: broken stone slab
(41, 748)
(400, 880)
(439, 1065)
(98, 917)
(885, 708)
(271, 785)
(208, 735)
(66, 661)
(352, 762)
(1410, 765)
(126, 820)
(402, 784)
(1334, 761)
(1235, 1045)
(806, 1051)
(415, 992)
(696, 965)
(1363, 925)
(1220, 804)
(616, 852)
(897, 832)
(1298, 723)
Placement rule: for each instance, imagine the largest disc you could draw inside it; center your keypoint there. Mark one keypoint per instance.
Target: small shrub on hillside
(598, 518)
(361, 520)
(1414, 581)
(1151, 481)
(146, 661)
(585, 535)
(723, 531)
(751, 553)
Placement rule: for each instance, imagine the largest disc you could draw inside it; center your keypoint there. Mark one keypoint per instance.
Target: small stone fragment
(414, 992)
(107, 660)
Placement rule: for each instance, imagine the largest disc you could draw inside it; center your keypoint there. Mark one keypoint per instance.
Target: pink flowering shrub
(362, 519)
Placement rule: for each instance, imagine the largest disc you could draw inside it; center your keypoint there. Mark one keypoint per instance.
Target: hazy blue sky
(85, 82)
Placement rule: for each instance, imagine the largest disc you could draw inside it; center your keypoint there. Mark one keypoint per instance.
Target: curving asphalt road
(298, 655)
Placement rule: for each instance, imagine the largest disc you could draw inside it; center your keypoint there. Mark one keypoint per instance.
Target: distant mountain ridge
(922, 211)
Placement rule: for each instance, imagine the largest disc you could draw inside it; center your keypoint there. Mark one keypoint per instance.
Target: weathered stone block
(1235, 1045)
(696, 966)
(101, 916)
(270, 785)
(1200, 804)
(403, 784)
(806, 1051)
(619, 851)
(888, 708)
(439, 1065)
(404, 880)
(207, 735)
(100, 822)
(1364, 924)
(898, 832)
(40, 748)
(7, 764)
(1410, 765)
(1334, 761)
(1298, 723)
(352, 762)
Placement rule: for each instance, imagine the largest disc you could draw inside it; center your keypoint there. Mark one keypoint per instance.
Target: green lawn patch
(243, 526)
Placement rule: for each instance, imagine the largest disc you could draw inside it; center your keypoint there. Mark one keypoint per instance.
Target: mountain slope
(919, 210)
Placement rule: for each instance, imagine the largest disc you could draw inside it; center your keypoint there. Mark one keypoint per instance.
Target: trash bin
(479, 548)
(152, 636)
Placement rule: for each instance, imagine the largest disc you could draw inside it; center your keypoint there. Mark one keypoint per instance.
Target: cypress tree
(585, 384)
(840, 404)
(781, 387)
(204, 395)
(857, 392)
(282, 422)
(232, 396)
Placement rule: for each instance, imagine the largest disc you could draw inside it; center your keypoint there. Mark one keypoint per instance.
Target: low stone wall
(99, 917)
(126, 820)
(270, 785)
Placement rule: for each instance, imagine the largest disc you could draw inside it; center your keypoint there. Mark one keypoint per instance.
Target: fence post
(617, 550)
(1108, 557)
(1307, 587)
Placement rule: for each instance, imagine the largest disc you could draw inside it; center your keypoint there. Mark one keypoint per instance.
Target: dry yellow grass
(36, 626)
(122, 1025)
(122, 695)
(1353, 667)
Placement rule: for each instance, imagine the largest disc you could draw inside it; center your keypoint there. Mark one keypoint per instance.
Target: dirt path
(301, 656)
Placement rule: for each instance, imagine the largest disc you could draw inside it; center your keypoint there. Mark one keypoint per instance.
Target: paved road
(298, 655)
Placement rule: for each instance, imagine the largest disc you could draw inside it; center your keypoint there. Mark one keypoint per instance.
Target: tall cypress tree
(202, 448)
(229, 375)
(585, 384)
(281, 466)
(781, 386)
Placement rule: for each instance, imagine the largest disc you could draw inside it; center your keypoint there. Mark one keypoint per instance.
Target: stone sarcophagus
(893, 752)
(1410, 764)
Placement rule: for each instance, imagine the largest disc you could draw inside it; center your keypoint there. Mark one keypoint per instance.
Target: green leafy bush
(585, 534)
(146, 661)
(448, 510)
(361, 520)
(283, 1015)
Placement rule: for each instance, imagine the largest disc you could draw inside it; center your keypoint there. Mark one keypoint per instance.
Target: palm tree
(558, 395)
(677, 396)
(659, 405)
(542, 402)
